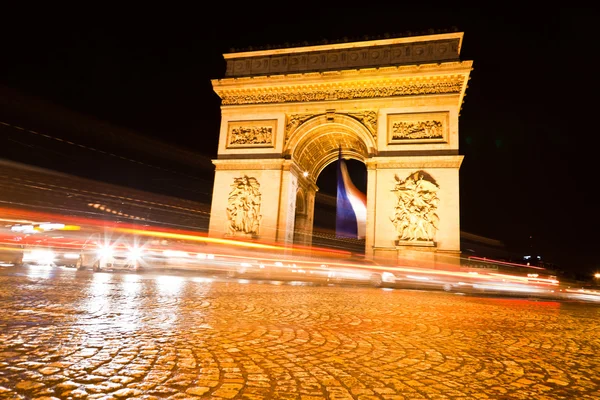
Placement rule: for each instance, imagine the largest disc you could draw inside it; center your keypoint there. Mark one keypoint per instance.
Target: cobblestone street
(70, 334)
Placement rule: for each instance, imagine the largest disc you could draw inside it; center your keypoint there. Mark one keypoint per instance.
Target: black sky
(527, 129)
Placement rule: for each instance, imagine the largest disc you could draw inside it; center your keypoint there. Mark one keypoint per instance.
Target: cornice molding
(249, 164)
(386, 72)
(415, 162)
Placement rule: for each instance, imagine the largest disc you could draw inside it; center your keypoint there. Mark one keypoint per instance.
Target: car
(11, 254)
(104, 254)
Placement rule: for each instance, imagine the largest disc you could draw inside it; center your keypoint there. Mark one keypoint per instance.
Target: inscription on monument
(243, 209)
(415, 214)
(248, 134)
(417, 128)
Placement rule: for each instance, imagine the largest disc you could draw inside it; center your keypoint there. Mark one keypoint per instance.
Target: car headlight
(135, 253)
(71, 256)
(39, 256)
(105, 251)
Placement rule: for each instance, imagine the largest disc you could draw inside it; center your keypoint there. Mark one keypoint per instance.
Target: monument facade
(392, 104)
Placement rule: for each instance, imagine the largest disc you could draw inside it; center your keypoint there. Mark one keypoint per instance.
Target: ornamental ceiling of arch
(315, 143)
(319, 150)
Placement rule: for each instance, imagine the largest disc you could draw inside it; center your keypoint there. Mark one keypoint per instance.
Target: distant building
(480, 246)
(37, 189)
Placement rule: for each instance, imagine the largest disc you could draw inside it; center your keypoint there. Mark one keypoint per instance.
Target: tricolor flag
(351, 212)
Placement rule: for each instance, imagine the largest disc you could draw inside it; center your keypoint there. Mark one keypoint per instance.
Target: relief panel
(243, 208)
(415, 215)
(251, 134)
(418, 128)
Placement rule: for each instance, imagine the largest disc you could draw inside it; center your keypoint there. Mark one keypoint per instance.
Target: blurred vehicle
(316, 270)
(11, 248)
(11, 254)
(67, 258)
(38, 255)
(50, 244)
(424, 280)
(102, 254)
(160, 253)
(50, 255)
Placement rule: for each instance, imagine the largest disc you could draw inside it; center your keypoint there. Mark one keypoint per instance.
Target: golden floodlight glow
(196, 238)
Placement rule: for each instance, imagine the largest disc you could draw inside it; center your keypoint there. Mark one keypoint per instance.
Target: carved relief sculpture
(251, 134)
(243, 209)
(415, 217)
(417, 130)
(369, 119)
(294, 121)
(446, 85)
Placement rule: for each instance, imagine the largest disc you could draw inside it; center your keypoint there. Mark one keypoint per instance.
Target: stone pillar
(305, 210)
(310, 212)
(267, 177)
(391, 177)
(371, 204)
(287, 205)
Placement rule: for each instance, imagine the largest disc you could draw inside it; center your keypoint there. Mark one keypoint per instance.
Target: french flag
(351, 212)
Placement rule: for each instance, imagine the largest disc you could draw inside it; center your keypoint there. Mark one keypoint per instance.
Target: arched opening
(325, 211)
(314, 146)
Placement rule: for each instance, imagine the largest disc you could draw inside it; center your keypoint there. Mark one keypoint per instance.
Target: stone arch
(315, 144)
(297, 107)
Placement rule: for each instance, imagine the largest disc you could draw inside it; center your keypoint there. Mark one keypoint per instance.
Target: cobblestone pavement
(70, 334)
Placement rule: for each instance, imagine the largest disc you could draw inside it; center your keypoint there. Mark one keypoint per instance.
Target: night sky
(528, 128)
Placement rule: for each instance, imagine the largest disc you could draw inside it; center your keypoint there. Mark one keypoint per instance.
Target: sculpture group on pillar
(415, 217)
(243, 209)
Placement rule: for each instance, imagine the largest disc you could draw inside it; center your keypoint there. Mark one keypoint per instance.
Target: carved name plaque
(418, 128)
(249, 134)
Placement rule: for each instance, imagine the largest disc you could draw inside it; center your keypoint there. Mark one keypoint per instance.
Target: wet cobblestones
(68, 334)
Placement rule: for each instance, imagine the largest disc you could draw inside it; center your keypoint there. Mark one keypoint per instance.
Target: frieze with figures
(368, 119)
(307, 94)
(418, 130)
(243, 208)
(418, 127)
(251, 134)
(415, 213)
(294, 121)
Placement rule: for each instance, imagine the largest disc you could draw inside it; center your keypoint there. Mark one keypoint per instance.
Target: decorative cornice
(415, 162)
(448, 84)
(249, 164)
(389, 72)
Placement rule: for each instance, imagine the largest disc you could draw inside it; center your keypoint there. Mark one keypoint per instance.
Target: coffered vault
(392, 104)
(316, 143)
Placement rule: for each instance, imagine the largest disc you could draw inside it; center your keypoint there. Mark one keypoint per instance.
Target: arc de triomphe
(393, 104)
